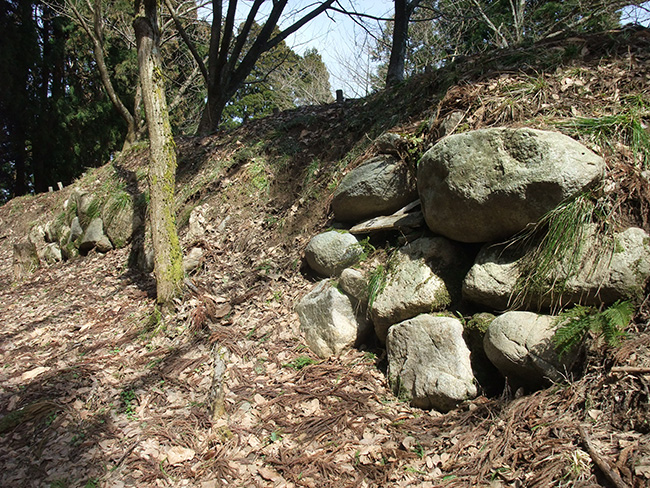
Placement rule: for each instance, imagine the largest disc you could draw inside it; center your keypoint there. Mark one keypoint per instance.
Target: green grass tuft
(557, 247)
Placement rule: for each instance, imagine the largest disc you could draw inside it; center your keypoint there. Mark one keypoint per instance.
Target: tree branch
(188, 42)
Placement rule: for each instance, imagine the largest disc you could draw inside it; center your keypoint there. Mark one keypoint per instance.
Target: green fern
(574, 324)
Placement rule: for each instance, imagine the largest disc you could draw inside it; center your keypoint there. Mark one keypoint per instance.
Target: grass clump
(376, 283)
(574, 324)
(559, 246)
(626, 126)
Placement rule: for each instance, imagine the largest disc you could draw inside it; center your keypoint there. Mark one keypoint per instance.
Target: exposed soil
(96, 390)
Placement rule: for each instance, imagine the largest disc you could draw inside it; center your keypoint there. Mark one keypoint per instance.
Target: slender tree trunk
(168, 257)
(403, 11)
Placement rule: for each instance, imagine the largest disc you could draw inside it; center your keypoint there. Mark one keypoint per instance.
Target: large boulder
(489, 184)
(329, 322)
(429, 363)
(381, 186)
(331, 252)
(520, 345)
(121, 219)
(421, 277)
(610, 269)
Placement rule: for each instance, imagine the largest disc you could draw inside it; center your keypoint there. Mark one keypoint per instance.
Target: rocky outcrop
(421, 277)
(609, 269)
(381, 186)
(489, 184)
(331, 252)
(329, 322)
(429, 363)
(520, 345)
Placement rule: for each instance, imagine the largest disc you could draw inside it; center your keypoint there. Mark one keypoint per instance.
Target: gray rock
(94, 237)
(121, 220)
(489, 184)
(381, 186)
(420, 279)
(52, 253)
(75, 229)
(104, 244)
(450, 123)
(331, 252)
(492, 280)
(354, 283)
(429, 363)
(197, 222)
(25, 259)
(193, 259)
(87, 208)
(620, 272)
(520, 345)
(51, 232)
(329, 322)
(390, 143)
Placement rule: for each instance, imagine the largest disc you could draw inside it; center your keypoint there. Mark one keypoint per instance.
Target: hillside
(96, 390)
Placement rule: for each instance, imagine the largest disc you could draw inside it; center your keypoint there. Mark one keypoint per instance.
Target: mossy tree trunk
(168, 257)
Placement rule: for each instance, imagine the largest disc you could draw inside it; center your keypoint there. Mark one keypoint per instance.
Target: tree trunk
(395, 72)
(168, 268)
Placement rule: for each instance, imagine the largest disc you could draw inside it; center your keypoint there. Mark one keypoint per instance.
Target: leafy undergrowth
(96, 389)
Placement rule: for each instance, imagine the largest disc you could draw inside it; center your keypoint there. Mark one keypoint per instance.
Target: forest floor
(97, 389)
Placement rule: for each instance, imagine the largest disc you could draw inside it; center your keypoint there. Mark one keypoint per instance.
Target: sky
(341, 42)
(343, 45)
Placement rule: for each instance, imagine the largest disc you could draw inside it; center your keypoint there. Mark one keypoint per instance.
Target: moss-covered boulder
(489, 184)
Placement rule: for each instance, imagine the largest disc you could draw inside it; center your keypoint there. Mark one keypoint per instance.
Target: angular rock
(52, 253)
(193, 259)
(607, 271)
(197, 223)
(381, 186)
(429, 363)
(25, 259)
(354, 284)
(390, 143)
(121, 220)
(51, 232)
(75, 230)
(520, 345)
(94, 237)
(489, 184)
(331, 252)
(450, 123)
(87, 208)
(328, 321)
(421, 278)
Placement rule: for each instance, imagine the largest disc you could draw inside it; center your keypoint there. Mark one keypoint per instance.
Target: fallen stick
(602, 464)
(630, 369)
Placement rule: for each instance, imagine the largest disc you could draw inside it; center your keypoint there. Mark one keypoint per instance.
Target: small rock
(429, 363)
(331, 252)
(329, 322)
(520, 345)
(381, 186)
(193, 259)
